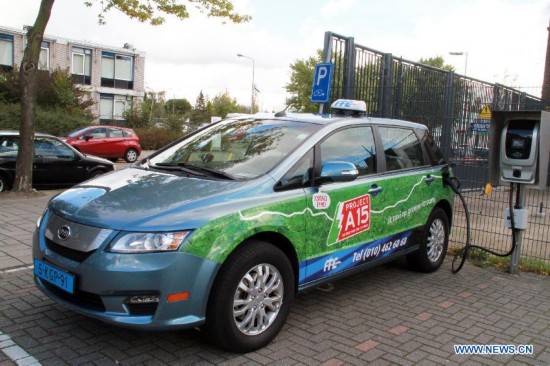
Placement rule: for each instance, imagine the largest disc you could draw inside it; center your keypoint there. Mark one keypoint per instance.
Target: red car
(111, 142)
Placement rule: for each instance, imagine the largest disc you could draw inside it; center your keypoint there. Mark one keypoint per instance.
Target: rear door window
(402, 149)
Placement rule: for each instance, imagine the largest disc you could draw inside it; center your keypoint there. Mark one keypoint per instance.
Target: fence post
(348, 84)
(386, 83)
(398, 94)
(448, 115)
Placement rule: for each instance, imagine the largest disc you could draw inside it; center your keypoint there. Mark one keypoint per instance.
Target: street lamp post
(252, 98)
(465, 54)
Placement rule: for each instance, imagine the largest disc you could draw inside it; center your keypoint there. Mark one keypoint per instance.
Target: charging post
(519, 153)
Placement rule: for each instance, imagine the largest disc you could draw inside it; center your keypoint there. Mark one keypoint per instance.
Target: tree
(438, 62)
(178, 106)
(301, 81)
(223, 103)
(143, 10)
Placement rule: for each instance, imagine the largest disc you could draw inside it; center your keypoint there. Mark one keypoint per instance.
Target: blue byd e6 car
(219, 230)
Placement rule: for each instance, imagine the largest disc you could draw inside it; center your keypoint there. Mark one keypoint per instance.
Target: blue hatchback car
(221, 229)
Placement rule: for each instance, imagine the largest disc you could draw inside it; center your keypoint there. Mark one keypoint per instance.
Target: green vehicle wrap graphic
(335, 217)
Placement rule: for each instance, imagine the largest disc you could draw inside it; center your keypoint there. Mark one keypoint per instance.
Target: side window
(433, 150)
(9, 146)
(354, 145)
(97, 133)
(115, 133)
(402, 149)
(299, 175)
(44, 148)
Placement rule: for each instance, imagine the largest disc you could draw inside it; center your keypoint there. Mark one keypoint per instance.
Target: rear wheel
(434, 241)
(251, 298)
(131, 155)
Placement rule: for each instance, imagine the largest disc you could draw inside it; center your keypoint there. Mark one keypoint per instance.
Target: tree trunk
(29, 67)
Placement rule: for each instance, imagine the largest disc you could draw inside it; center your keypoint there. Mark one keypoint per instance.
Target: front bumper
(105, 281)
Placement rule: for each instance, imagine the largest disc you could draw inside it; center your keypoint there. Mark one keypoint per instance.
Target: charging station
(519, 148)
(519, 152)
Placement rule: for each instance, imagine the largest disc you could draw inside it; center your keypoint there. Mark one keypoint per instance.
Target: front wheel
(434, 241)
(251, 297)
(131, 155)
(3, 184)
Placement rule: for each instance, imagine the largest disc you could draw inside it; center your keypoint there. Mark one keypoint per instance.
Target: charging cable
(462, 254)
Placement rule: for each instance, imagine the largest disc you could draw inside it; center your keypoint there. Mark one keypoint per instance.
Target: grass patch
(483, 259)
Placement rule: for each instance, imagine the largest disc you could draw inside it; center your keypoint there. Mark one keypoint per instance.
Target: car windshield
(77, 132)
(237, 148)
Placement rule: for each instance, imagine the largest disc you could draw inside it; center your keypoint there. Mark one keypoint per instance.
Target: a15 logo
(353, 217)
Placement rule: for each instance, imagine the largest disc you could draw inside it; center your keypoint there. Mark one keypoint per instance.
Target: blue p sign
(322, 80)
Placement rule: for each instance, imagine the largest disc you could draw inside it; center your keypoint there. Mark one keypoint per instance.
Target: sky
(505, 40)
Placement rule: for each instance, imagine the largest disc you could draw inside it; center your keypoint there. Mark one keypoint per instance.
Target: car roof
(329, 119)
(16, 133)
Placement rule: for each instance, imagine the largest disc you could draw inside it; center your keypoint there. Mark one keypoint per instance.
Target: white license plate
(55, 276)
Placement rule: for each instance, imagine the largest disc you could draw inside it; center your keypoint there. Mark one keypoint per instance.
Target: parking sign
(320, 92)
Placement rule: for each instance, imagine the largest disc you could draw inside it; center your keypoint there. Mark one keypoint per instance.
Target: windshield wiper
(211, 171)
(179, 168)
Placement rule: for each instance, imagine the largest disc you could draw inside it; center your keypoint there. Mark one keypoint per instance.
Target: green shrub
(151, 138)
(52, 121)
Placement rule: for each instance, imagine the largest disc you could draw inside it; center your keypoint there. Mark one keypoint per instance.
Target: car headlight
(148, 242)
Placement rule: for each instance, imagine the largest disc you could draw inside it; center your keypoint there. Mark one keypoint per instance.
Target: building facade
(112, 77)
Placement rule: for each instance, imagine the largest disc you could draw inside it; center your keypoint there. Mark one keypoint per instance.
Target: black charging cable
(462, 254)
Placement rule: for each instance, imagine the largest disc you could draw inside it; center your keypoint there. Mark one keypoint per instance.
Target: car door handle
(429, 179)
(375, 190)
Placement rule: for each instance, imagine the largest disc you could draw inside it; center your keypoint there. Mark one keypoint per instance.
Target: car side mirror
(338, 171)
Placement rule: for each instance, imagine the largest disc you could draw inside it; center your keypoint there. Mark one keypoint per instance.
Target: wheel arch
(447, 208)
(285, 245)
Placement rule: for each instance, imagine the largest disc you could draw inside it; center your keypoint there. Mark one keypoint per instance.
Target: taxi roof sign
(347, 106)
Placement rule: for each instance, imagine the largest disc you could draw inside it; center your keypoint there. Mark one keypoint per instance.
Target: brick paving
(386, 316)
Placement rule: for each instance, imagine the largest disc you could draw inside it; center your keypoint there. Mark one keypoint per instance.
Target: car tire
(245, 320)
(96, 173)
(3, 184)
(434, 240)
(131, 155)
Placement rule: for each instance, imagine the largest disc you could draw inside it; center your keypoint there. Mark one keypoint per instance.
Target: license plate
(55, 276)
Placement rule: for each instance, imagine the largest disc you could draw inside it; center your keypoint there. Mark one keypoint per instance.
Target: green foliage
(62, 106)
(56, 122)
(438, 62)
(301, 80)
(151, 138)
(150, 10)
(178, 106)
(223, 103)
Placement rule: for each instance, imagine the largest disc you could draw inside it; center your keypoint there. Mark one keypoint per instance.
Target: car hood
(97, 159)
(137, 199)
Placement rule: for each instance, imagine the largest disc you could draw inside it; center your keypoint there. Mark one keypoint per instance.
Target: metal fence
(450, 105)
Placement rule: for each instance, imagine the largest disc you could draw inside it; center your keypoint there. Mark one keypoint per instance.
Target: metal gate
(450, 105)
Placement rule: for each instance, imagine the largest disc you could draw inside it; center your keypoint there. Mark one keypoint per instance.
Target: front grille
(142, 309)
(80, 298)
(69, 253)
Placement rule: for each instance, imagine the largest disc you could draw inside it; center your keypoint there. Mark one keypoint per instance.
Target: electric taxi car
(220, 229)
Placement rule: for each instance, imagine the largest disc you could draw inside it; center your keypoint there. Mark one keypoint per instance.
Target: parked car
(221, 228)
(109, 142)
(55, 163)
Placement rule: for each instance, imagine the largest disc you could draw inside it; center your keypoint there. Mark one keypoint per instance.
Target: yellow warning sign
(485, 113)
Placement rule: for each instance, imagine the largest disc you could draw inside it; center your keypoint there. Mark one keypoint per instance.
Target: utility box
(519, 148)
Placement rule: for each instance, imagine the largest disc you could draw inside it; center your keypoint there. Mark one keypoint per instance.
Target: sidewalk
(17, 223)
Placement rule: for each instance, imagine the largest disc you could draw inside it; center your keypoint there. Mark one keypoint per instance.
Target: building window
(112, 107)
(44, 58)
(117, 71)
(6, 52)
(82, 65)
